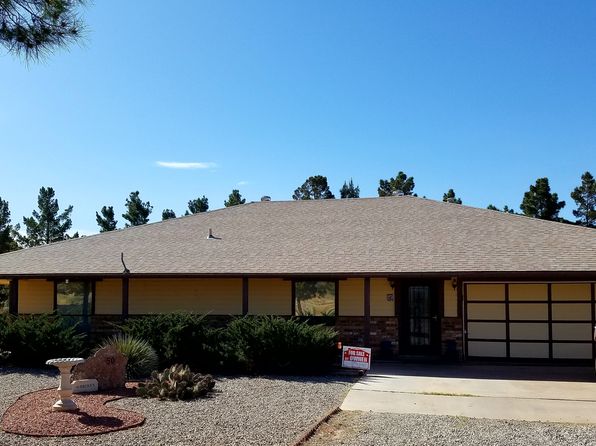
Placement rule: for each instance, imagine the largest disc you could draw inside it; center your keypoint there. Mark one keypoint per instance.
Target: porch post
(125, 297)
(367, 311)
(244, 296)
(13, 297)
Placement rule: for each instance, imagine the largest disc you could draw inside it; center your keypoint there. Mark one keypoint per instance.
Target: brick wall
(452, 338)
(383, 334)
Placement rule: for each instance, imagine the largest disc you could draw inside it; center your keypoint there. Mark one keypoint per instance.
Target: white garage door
(530, 320)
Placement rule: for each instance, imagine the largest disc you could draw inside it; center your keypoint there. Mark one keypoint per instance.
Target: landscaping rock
(107, 366)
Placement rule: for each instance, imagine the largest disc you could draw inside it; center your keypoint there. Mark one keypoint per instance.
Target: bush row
(250, 344)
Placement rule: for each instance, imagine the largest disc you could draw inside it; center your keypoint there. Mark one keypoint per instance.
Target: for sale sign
(355, 358)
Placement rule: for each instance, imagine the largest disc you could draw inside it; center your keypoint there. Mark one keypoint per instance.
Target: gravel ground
(244, 411)
(378, 429)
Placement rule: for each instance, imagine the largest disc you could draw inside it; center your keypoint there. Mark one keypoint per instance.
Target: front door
(419, 319)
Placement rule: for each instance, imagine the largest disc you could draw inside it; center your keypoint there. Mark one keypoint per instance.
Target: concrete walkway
(531, 393)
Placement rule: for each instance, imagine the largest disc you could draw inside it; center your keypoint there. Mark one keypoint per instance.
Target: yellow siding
(571, 291)
(532, 312)
(484, 291)
(528, 350)
(529, 332)
(572, 351)
(351, 297)
(450, 299)
(4, 282)
(214, 296)
(579, 312)
(486, 311)
(270, 296)
(36, 296)
(380, 304)
(493, 349)
(528, 291)
(108, 296)
(487, 330)
(572, 332)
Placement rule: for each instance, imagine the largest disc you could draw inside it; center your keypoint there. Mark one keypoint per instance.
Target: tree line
(49, 224)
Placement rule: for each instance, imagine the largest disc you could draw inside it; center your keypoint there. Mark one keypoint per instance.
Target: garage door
(530, 320)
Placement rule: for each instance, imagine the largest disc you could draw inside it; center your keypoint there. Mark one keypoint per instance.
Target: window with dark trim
(314, 298)
(73, 298)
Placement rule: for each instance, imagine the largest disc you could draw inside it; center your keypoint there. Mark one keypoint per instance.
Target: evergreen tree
(585, 198)
(539, 202)
(7, 242)
(166, 214)
(35, 27)
(47, 225)
(314, 188)
(106, 221)
(234, 199)
(400, 185)
(348, 190)
(505, 209)
(198, 205)
(450, 197)
(137, 211)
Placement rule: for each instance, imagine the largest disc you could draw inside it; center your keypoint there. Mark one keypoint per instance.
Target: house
(402, 274)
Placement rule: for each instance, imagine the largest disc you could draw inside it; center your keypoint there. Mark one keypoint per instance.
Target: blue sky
(483, 97)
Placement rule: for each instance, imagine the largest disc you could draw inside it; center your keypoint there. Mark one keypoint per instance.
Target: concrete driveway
(506, 392)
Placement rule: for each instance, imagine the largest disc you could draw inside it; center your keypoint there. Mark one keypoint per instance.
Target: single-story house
(403, 274)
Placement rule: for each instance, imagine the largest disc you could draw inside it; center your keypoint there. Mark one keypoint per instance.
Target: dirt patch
(32, 414)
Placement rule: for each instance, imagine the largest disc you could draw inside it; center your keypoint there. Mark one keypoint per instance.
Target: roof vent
(265, 198)
(211, 236)
(398, 193)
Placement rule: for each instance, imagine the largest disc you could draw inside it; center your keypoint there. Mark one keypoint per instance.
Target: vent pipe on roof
(265, 198)
(211, 236)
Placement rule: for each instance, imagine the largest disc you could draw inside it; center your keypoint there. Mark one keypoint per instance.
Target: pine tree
(505, 209)
(166, 214)
(450, 197)
(314, 188)
(35, 27)
(235, 198)
(400, 185)
(47, 225)
(106, 221)
(348, 190)
(7, 242)
(539, 202)
(137, 211)
(585, 198)
(198, 205)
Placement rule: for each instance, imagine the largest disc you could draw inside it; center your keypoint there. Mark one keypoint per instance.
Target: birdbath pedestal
(65, 388)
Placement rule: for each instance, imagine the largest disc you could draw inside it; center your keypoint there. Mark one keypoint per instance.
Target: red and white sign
(355, 358)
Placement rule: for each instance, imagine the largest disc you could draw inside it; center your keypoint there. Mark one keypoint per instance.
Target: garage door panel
(528, 291)
(480, 292)
(571, 291)
(572, 351)
(529, 312)
(486, 311)
(572, 332)
(528, 331)
(572, 312)
(487, 330)
(529, 350)
(488, 349)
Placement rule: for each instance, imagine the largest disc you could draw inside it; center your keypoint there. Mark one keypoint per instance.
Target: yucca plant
(175, 383)
(142, 358)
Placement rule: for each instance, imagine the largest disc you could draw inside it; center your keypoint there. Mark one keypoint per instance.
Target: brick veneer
(383, 331)
(452, 337)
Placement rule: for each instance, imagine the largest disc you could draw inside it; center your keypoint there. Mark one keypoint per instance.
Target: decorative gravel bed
(367, 428)
(243, 411)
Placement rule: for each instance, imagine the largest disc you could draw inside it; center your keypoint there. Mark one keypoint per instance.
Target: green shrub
(177, 338)
(176, 383)
(269, 344)
(32, 340)
(142, 359)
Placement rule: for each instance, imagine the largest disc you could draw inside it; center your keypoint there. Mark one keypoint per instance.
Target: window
(73, 298)
(315, 298)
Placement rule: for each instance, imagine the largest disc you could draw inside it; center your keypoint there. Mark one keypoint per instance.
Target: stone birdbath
(65, 387)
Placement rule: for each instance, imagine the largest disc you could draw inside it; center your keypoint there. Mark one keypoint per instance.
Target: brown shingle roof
(369, 235)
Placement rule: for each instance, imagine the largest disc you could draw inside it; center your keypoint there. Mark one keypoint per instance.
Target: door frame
(403, 312)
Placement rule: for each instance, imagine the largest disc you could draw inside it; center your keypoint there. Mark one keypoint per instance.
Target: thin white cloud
(242, 183)
(179, 165)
